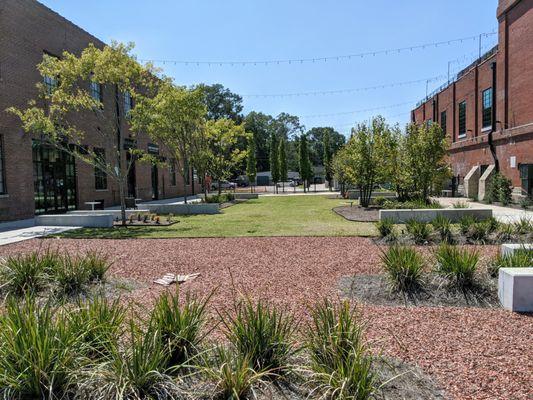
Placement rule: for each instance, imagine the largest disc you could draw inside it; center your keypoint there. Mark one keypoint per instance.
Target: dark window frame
(486, 107)
(100, 176)
(3, 186)
(172, 172)
(96, 91)
(443, 122)
(128, 102)
(462, 119)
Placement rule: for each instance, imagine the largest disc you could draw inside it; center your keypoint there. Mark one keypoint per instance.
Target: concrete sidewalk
(20, 234)
(502, 214)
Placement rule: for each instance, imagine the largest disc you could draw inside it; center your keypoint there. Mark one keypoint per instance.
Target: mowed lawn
(310, 215)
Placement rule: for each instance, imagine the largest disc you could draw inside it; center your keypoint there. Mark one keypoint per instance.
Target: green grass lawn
(266, 216)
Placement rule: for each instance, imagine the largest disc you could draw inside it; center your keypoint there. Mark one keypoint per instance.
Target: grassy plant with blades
(419, 230)
(458, 265)
(181, 326)
(443, 226)
(404, 267)
(523, 226)
(37, 351)
(520, 258)
(461, 204)
(340, 362)
(479, 232)
(505, 232)
(385, 227)
(263, 334)
(97, 264)
(71, 275)
(465, 223)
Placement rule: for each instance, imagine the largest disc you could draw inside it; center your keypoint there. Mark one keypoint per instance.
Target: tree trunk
(185, 189)
(219, 188)
(122, 202)
(283, 185)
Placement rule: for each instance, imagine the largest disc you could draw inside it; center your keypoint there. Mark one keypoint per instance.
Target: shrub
(36, 351)
(523, 226)
(479, 231)
(492, 224)
(385, 227)
(263, 334)
(97, 264)
(71, 275)
(500, 189)
(403, 266)
(461, 204)
(465, 223)
(380, 201)
(458, 265)
(525, 203)
(220, 198)
(443, 226)
(419, 230)
(180, 325)
(137, 372)
(98, 325)
(520, 258)
(505, 232)
(23, 274)
(341, 364)
(411, 204)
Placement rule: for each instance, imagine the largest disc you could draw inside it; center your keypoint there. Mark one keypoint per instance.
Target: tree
(282, 162)
(222, 103)
(261, 125)
(340, 167)
(175, 117)
(306, 171)
(274, 159)
(368, 156)
(327, 159)
(223, 137)
(316, 143)
(251, 163)
(70, 101)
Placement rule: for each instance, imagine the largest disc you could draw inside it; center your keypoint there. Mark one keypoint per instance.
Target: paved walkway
(18, 235)
(502, 214)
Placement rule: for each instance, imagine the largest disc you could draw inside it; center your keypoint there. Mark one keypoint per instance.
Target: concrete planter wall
(246, 196)
(184, 209)
(428, 215)
(114, 213)
(509, 249)
(84, 220)
(354, 195)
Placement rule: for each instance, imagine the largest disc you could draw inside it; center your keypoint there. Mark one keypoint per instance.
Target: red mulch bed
(473, 353)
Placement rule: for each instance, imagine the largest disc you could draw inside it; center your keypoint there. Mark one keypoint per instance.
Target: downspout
(493, 128)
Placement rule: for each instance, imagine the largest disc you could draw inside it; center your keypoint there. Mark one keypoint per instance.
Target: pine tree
(251, 163)
(274, 160)
(282, 162)
(327, 160)
(306, 171)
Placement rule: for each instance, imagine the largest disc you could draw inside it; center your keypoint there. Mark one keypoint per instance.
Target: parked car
(294, 183)
(223, 185)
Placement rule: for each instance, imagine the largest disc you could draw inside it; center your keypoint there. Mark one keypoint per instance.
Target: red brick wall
(27, 29)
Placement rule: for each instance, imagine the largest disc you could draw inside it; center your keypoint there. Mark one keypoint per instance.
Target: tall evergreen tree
(327, 159)
(251, 163)
(282, 161)
(274, 160)
(306, 171)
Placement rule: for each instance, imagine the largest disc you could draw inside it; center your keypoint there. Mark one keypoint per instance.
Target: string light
(358, 111)
(343, 57)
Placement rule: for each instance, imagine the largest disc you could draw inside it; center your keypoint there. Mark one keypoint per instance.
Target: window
(462, 119)
(2, 171)
(429, 123)
(100, 177)
(443, 121)
(50, 83)
(172, 172)
(95, 89)
(128, 103)
(487, 108)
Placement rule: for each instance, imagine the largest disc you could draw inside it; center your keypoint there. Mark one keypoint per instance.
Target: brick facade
(27, 30)
(510, 67)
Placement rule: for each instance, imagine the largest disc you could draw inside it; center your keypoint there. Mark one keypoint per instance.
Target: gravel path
(472, 353)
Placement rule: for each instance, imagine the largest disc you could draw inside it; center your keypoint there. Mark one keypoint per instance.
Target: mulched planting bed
(356, 213)
(375, 289)
(472, 353)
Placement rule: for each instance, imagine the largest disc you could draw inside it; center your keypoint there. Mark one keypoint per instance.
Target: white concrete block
(508, 249)
(84, 220)
(515, 289)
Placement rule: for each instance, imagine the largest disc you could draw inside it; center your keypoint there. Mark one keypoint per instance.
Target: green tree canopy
(222, 103)
(251, 161)
(274, 159)
(306, 170)
(282, 162)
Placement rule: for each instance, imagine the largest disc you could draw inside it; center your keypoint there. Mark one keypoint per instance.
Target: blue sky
(207, 30)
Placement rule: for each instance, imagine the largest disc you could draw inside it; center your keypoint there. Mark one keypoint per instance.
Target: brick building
(36, 179)
(487, 111)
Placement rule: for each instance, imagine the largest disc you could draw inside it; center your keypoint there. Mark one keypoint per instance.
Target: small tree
(174, 117)
(251, 163)
(340, 166)
(282, 161)
(223, 137)
(61, 119)
(327, 159)
(306, 171)
(274, 160)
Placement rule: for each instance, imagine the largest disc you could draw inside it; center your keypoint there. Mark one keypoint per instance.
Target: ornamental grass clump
(385, 227)
(37, 351)
(181, 325)
(505, 232)
(443, 226)
(520, 258)
(404, 267)
(479, 231)
(340, 361)
(263, 334)
(420, 231)
(456, 264)
(465, 223)
(97, 264)
(98, 324)
(523, 226)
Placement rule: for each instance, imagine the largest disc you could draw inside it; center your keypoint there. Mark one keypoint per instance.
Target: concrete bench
(246, 196)
(515, 289)
(509, 249)
(92, 220)
(428, 215)
(184, 209)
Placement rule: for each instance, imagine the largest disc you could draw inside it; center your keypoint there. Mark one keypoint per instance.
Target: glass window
(443, 121)
(462, 118)
(128, 103)
(2, 172)
(50, 83)
(487, 107)
(172, 171)
(100, 176)
(95, 90)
